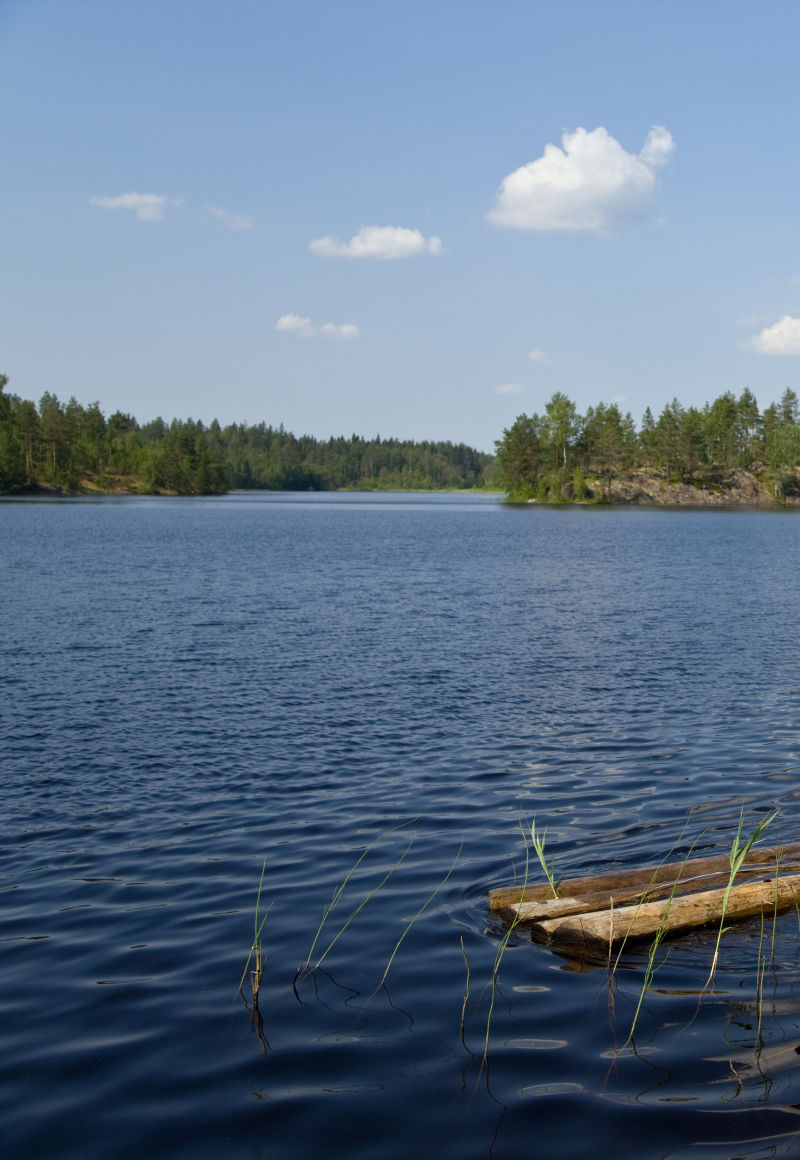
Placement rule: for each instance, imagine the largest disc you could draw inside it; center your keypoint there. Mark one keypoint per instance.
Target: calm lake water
(190, 687)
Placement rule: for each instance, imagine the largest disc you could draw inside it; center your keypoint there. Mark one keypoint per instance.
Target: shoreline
(734, 489)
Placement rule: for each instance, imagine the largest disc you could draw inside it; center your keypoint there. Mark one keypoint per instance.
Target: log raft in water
(596, 931)
(594, 913)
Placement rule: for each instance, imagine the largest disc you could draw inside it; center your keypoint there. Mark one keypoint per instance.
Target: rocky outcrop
(719, 487)
(736, 487)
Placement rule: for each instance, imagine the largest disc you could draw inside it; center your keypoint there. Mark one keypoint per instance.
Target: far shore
(734, 488)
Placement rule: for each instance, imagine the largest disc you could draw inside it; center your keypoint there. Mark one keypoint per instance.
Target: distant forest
(76, 448)
(562, 454)
(554, 456)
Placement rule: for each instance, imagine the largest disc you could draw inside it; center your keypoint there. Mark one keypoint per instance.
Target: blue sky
(398, 218)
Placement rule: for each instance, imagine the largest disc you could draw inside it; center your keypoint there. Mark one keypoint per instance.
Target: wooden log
(527, 912)
(645, 879)
(596, 932)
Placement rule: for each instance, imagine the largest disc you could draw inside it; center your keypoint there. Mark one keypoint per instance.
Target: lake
(192, 689)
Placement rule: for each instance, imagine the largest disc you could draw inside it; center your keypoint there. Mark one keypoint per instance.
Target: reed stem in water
(538, 840)
(421, 910)
(337, 894)
(255, 949)
(739, 851)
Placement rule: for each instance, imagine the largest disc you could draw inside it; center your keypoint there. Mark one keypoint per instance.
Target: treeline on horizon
(562, 454)
(74, 448)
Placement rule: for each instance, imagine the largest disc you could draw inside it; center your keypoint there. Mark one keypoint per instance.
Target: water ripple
(193, 687)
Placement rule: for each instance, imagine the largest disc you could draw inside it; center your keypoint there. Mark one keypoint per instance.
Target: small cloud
(509, 389)
(385, 242)
(658, 148)
(538, 356)
(295, 324)
(148, 207)
(232, 220)
(590, 184)
(305, 328)
(618, 399)
(750, 320)
(794, 281)
(781, 338)
(328, 330)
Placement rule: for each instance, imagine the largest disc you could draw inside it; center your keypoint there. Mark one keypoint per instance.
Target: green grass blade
(341, 887)
(357, 910)
(257, 927)
(466, 989)
(653, 880)
(651, 968)
(421, 910)
(501, 950)
(538, 840)
(737, 856)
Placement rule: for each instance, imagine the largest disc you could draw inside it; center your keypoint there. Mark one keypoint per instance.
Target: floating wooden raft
(592, 914)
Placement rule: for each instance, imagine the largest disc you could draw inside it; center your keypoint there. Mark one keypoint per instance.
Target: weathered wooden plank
(598, 930)
(645, 879)
(526, 912)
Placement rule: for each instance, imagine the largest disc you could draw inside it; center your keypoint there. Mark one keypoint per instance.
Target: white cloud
(781, 338)
(378, 242)
(590, 184)
(750, 320)
(618, 399)
(538, 356)
(328, 330)
(148, 207)
(658, 148)
(295, 324)
(509, 389)
(233, 221)
(305, 328)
